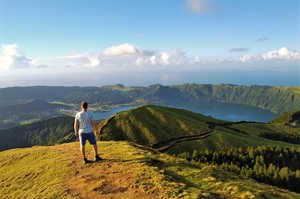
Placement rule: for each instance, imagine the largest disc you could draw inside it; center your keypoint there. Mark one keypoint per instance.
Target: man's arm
(95, 126)
(76, 126)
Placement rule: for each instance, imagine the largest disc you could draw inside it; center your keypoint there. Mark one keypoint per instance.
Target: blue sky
(139, 42)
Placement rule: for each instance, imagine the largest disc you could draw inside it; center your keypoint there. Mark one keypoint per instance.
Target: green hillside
(127, 171)
(278, 99)
(242, 135)
(21, 112)
(47, 132)
(199, 138)
(179, 130)
(288, 118)
(149, 124)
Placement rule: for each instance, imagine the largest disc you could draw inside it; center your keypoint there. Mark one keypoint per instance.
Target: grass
(41, 172)
(223, 139)
(150, 124)
(177, 178)
(36, 172)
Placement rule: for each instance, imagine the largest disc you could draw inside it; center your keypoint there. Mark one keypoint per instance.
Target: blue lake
(223, 111)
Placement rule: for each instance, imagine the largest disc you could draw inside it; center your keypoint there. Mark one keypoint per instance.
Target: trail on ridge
(109, 178)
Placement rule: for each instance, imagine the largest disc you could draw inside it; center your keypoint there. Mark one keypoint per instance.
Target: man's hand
(76, 127)
(97, 133)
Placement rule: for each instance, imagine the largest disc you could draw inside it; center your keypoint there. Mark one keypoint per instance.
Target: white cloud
(195, 60)
(198, 6)
(126, 50)
(174, 56)
(12, 57)
(87, 60)
(165, 57)
(283, 53)
(138, 62)
(153, 60)
(248, 58)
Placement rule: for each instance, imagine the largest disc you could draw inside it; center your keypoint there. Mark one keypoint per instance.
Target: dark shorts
(87, 136)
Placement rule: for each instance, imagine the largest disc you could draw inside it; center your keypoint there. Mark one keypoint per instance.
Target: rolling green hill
(177, 130)
(149, 124)
(288, 118)
(127, 171)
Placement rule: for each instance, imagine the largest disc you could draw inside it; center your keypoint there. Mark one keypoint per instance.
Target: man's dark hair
(84, 105)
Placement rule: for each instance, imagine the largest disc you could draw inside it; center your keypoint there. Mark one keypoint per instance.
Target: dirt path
(164, 145)
(108, 178)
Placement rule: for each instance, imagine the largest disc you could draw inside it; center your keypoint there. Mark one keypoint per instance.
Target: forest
(273, 165)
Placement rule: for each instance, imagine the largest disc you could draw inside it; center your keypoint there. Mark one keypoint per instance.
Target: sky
(141, 42)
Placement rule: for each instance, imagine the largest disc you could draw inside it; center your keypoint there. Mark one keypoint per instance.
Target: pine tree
(195, 155)
(271, 170)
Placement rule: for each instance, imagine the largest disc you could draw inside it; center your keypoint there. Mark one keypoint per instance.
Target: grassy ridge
(42, 172)
(150, 124)
(288, 117)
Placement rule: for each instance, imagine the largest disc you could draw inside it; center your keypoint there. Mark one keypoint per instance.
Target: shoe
(85, 161)
(97, 158)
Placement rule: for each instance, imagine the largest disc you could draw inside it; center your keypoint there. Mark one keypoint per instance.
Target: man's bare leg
(95, 147)
(82, 149)
(97, 157)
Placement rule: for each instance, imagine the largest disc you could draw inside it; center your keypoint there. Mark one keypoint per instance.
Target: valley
(154, 134)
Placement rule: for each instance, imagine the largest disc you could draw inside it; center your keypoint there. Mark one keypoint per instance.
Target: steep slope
(127, 171)
(48, 132)
(275, 98)
(149, 124)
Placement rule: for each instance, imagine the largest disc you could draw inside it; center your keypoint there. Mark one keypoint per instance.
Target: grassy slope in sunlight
(42, 172)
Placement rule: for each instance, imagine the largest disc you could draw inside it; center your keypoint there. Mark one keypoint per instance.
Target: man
(83, 127)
